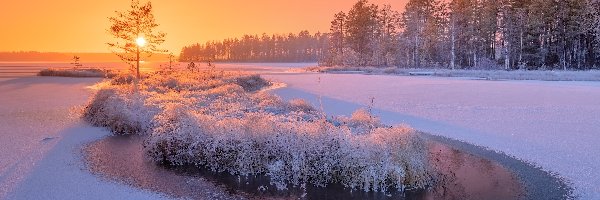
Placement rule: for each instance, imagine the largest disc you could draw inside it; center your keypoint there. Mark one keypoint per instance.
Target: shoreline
(534, 182)
(42, 131)
(539, 184)
(471, 74)
(561, 189)
(121, 159)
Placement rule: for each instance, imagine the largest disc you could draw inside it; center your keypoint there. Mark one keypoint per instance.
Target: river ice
(554, 125)
(40, 140)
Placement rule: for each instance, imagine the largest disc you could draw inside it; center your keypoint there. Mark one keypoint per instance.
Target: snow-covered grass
(75, 72)
(556, 75)
(223, 121)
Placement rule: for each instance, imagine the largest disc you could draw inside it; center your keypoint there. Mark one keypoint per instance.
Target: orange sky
(80, 25)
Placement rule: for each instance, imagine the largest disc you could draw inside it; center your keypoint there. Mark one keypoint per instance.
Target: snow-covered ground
(40, 138)
(555, 125)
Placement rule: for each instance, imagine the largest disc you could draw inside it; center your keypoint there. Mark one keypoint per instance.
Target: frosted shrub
(300, 105)
(360, 122)
(222, 121)
(75, 72)
(121, 79)
(252, 83)
(122, 111)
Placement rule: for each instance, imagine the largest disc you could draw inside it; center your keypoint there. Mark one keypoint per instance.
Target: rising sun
(140, 41)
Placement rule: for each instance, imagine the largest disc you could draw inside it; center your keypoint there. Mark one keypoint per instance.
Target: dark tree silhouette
(76, 62)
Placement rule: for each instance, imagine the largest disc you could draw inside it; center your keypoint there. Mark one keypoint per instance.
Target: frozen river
(40, 140)
(555, 125)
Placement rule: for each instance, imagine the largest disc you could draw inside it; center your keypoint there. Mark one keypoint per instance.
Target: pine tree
(388, 22)
(361, 25)
(134, 28)
(337, 39)
(424, 28)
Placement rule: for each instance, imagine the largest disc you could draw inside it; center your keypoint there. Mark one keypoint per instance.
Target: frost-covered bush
(252, 83)
(121, 110)
(300, 105)
(292, 152)
(360, 122)
(225, 122)
(74, 72)
(122, 78)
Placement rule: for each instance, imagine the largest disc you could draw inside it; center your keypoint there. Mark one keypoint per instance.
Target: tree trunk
(520, 48)
(506, 55)
(475, 59)
(137, 68)
(453, 50)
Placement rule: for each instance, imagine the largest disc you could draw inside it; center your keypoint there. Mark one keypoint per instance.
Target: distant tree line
(301, 47)
(67, 57)
(473, 34)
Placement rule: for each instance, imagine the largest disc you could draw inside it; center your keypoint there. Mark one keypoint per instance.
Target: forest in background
(469, 34)
(455, 34)
(301, 47)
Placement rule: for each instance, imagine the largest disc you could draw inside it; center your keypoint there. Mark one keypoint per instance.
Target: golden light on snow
(140, 41)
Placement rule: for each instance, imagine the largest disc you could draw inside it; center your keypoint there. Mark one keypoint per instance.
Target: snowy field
(554, 125)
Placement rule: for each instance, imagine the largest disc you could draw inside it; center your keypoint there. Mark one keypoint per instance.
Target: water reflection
(462, 176)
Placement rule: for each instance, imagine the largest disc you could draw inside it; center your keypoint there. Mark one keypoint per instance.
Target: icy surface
(555, 125)
(40, 136)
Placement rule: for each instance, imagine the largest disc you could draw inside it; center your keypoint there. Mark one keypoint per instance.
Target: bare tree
(76, 62)
(135, 31)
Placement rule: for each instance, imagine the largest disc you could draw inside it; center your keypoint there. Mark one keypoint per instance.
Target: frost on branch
(222, 121)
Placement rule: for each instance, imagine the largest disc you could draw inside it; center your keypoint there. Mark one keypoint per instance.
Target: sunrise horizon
(80, 27)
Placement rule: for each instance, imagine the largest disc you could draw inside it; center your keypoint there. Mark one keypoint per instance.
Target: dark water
(463, 176)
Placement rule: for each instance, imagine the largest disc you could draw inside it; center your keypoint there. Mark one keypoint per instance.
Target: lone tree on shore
(136, 36)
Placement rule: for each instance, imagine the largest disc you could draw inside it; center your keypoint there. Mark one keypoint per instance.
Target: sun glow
(140, 41)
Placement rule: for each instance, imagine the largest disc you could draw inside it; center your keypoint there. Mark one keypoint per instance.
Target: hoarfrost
(221, 120)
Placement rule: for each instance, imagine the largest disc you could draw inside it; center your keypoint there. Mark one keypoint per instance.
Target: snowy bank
(551, 124)
(222, 121)
(557, 75)
(41, 135)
